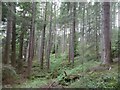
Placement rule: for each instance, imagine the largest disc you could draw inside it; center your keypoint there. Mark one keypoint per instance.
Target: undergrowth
(39, 78)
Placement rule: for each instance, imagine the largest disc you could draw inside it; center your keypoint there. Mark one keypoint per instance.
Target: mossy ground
(40, 78)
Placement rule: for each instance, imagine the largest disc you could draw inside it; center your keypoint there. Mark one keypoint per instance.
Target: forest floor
(64, 75)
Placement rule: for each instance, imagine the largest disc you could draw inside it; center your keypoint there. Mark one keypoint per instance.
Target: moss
(36, 83)
(103, 79)
(9, 75)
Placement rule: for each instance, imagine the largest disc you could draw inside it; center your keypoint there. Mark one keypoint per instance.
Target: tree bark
(21, 40)
(119, 33)
(106, 33)
(49, 41)
(13, 54)
(31, 40)
(0, 12)
(83, 31)
(96, 31)
(55, 33)
(73, 34)
(69, 56)
(43, 39)
(6, 56)
(64, 39)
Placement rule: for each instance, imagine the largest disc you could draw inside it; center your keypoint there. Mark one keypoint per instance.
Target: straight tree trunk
(31, 40)
(106, 33)
(55, 33)
(96, 31)
(69, 37)
(13, 54)
(69, 56)
(119, 34)
(21, 40)
(64, 40)
(49, 41)
(43, 39)
(82, 39)
(101, 36)
(73, 34)
(6, 56)
(0, 11)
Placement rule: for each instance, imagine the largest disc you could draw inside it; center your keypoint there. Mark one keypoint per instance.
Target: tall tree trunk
(96, 31)
(0, 11)
(82, 38)
(6, 56)
(101, 36)
(49, 41)
(31, 40)
(1, 41)
(64, 40)
(73, 34)
(106, 33)
(55, 33)
(21, 40)
(69, 56)
(43, 39)
(119, 34)
(13, 54)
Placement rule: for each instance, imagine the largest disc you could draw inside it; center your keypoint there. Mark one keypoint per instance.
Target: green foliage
(115, 42)
(103, 79)
(4, 11)
(85, 53)
(32, 83)
(9, 74)
(115, 49)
